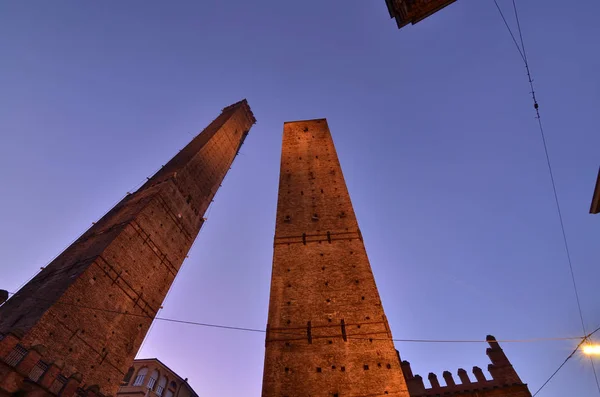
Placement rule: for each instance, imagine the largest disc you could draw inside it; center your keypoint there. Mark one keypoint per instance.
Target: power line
(510, 31)
(256, 330)
(559, 367)
(523, 54)
(567, 359)
(595, 374)
(477, 340)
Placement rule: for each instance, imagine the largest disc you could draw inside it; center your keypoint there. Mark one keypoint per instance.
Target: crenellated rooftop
(503, 376)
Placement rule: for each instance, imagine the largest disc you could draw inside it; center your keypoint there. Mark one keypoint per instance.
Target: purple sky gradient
(433, 124)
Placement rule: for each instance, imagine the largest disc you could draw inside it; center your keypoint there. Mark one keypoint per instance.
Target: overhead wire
(587, 337)
(282, 332)
(523, 53)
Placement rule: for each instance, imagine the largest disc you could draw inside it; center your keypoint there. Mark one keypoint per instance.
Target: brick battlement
(504, 382)
(26, 372)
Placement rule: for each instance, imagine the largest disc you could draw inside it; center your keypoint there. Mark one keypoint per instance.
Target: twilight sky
(435, 131)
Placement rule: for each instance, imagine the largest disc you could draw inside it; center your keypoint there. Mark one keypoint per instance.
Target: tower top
(307, 121)
(244, 104)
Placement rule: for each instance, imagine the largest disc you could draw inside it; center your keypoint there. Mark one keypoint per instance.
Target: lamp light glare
(591, 350)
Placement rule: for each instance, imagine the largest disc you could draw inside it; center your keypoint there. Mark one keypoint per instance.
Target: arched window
(139, 379)
(162, 384)
(127, 377)
(152, 381)
(171, 390)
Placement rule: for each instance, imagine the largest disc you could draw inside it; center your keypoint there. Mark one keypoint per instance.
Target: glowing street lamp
(591, 350)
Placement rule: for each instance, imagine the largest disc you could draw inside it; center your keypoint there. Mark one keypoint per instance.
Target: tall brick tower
(327, 334)
(92, 306)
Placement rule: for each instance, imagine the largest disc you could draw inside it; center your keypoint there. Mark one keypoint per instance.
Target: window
(58, 384)
(16, 355)
(127, 377)
(38, 370)
(162, 384)
(171, 390)
(139, 379)
(153, 378)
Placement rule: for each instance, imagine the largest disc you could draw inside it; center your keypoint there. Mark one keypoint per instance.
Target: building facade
(92, 306)
(413, 11)
(151, 378)
(327, 334)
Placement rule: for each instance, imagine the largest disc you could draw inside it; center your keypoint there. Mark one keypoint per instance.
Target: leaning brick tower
(327, 334)
(91, 307)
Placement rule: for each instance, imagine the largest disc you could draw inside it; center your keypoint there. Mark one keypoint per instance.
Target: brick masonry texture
(125, 263)
(505, 381)
(327, 333)
(413, 11)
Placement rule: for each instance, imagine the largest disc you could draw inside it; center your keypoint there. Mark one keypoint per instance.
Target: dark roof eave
(595, 207)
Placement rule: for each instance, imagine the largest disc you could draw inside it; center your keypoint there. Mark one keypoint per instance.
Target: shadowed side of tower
(327, 333)
(92, 306)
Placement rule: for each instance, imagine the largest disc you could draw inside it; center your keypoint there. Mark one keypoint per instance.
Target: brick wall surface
(413, 11)
(327, 333)
(92, 306)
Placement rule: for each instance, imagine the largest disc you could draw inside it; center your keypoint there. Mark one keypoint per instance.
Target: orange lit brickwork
(327, 334)
(125, 263)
